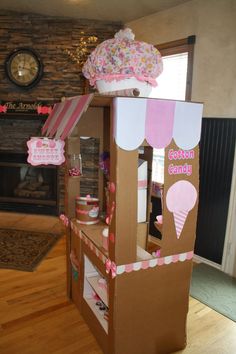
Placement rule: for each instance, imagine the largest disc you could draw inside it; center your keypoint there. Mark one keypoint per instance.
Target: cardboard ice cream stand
(133, 301)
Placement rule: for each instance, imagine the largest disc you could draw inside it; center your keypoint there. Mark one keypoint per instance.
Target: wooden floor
(37, 318)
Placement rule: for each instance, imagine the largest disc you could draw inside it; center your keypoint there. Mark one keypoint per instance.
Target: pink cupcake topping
(122, 57)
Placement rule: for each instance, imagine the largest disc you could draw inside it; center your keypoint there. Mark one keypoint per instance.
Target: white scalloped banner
(126, 268)
(158, 121)
(129, 122)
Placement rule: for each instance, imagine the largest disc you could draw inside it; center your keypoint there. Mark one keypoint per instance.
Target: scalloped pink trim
(119, 77)
(120, 269)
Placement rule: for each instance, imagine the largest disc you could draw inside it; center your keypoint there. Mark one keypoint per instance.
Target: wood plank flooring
(37, 318)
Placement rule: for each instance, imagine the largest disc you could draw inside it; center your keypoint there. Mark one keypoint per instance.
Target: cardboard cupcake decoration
(123, 63)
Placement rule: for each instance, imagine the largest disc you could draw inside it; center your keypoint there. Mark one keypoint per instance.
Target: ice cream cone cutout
(180, 199)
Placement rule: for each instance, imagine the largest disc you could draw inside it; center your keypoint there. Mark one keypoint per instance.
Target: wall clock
(24, 67)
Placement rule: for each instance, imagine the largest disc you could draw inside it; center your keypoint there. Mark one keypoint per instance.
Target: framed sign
(45, 151)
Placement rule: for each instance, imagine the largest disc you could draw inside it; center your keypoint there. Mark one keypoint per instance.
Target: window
(175, 82)
(172, 82)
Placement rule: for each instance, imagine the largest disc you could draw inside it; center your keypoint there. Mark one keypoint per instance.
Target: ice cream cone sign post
(181, 197)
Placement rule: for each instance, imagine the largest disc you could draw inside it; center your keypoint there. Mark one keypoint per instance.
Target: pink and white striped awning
(135, 119)
(65, 115)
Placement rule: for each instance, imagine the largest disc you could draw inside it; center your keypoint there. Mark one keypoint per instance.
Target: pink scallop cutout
(175, 258)
(145, 264)
(160, 261)
(129, 268)
(190, 255)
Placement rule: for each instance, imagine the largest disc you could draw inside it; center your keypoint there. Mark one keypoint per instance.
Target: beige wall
(214, 24)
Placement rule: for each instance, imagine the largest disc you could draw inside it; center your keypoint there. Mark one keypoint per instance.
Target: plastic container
(87, 210)
(75, 167)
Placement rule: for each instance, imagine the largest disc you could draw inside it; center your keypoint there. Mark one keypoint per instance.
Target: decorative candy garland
(115, 270)
(3, 108)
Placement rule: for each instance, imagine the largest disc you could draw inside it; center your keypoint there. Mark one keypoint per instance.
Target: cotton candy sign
(44, 151)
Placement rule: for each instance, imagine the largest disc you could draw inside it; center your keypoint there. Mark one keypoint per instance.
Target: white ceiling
(106, 10)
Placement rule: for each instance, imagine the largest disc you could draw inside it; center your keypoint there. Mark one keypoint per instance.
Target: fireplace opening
(26, 188)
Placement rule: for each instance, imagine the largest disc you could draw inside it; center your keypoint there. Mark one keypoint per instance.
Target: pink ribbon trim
(110, 267)
(64, 219)
(115, 270)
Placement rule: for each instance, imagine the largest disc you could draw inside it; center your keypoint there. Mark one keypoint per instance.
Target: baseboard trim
(199, 259)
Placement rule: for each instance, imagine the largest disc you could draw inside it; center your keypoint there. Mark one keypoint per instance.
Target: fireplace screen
(24, 187)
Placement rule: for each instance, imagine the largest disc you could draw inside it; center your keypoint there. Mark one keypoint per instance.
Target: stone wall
(50, 37)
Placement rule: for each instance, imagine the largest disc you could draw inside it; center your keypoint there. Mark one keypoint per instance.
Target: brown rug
(24, 250)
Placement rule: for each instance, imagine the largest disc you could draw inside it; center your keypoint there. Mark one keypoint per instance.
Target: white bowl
(143, 87)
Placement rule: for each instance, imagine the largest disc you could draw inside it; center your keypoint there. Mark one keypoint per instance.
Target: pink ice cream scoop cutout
(180, 199)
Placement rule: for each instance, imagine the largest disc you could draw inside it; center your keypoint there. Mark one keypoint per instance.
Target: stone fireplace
(25, 188)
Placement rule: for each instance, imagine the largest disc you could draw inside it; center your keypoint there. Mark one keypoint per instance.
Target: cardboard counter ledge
(133, 302)
(147, 298)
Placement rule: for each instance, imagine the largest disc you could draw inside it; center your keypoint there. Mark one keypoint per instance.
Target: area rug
(24, 250)
(215, 289)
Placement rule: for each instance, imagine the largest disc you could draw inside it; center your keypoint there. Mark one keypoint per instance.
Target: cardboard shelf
(91, 288)
(155, 240)
(102, 293)
(92, 304)
(94, 234)
(158, 226)
(142, 254)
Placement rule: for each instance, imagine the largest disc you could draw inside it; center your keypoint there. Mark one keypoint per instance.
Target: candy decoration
(44, 110)
(3, 108)
(111, 267)
(110, 216)
(111, 187)
(74, 172)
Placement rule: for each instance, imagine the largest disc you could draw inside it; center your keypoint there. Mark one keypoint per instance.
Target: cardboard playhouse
(134, 301)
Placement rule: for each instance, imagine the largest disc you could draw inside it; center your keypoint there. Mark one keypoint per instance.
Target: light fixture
(83, 49)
